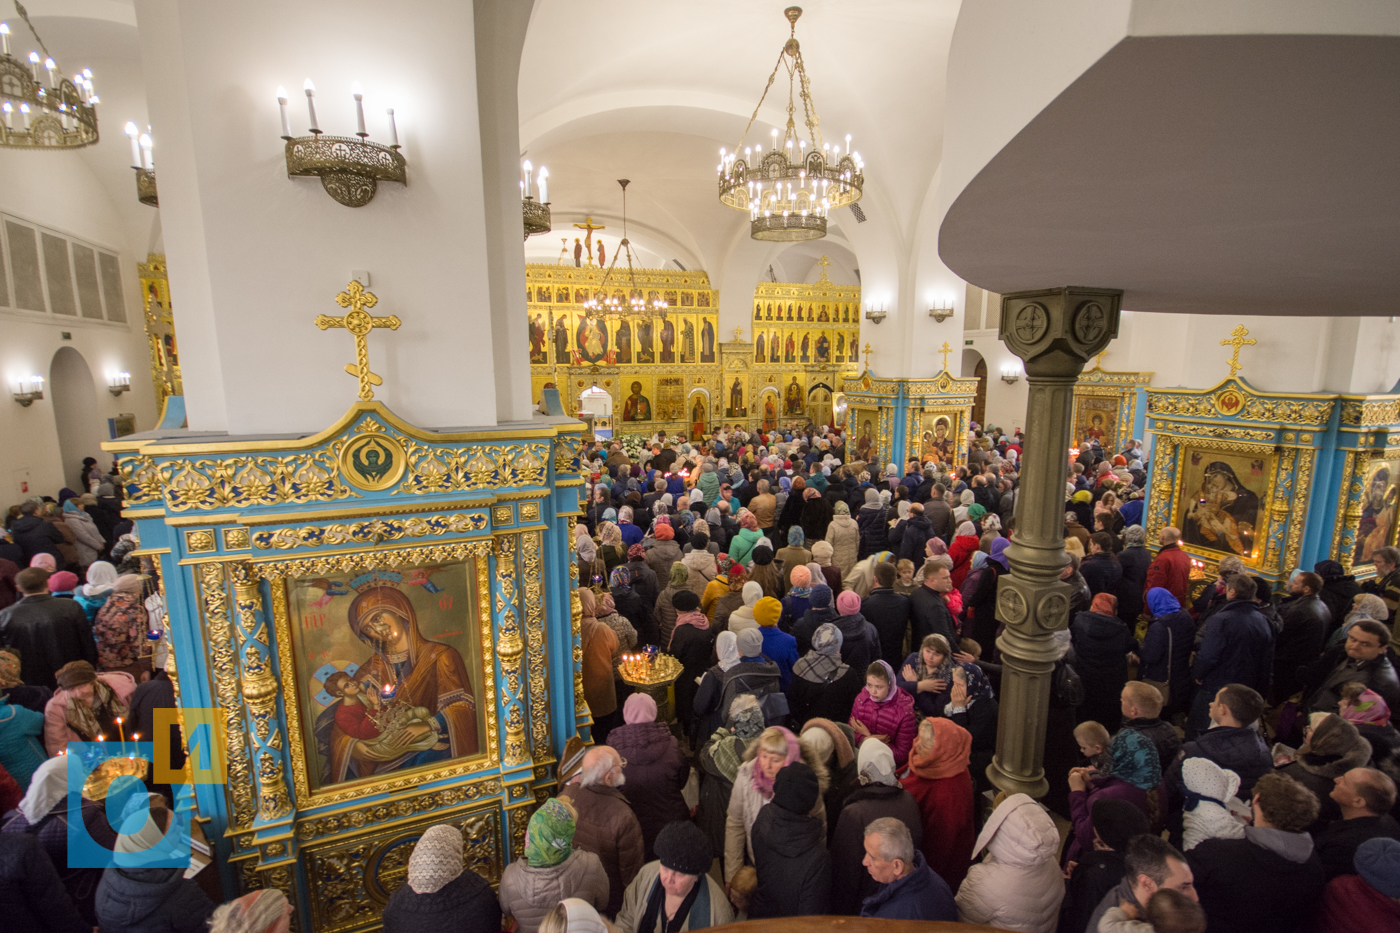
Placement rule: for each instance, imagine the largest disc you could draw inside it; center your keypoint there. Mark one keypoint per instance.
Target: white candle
(24, 112)
(9, 115)
(48, 65)
(311, 106)
(5, 38)
(146, 162)
(393, 130)
(132, 132)
(282, 106)
(358, 93)
(543, 185)
(528, 169)
(34, 66)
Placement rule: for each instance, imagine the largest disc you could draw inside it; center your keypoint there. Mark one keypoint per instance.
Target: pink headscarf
(44, 562)
(639, 708)
(1369, 707)
(764, 784)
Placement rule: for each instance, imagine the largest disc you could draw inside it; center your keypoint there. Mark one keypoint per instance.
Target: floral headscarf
(1135, 760)
(610, 534)
(978, 686)
(1369, 707)
(620, 581)
(549, 837)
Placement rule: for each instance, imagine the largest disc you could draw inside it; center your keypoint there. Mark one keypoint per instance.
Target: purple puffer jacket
(656, 772)
(894, 718)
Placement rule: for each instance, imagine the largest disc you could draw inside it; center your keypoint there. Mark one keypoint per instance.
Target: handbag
(1165, 688)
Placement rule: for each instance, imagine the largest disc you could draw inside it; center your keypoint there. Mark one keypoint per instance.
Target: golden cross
(945, 350)
(867, 355)
(824, 262)
(738, 333)
(1238, 335)
(589, 226)
(359, 323)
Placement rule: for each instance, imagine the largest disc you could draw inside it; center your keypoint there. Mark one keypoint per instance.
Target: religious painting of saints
(646, 352)
(699, 416)
(622, 343)
(736, 407)
(388, 666)
(702, 299)
(790, 349)
(759, 346)
(770, 409)
(1378, 496)
(707, 340)
(866, 421)
(538, 337)
(855, 351)
(688, 339)
(823, 349)
(561, 340)
(592, 339)
(670, 398)
(580, 295)
(936, 440)
(668, 341)
(793, 394)
(637, 405)
(1096, 419)
(1221, 500)
(687, 299)
(758, 310)
(805, 356)
(562, 296)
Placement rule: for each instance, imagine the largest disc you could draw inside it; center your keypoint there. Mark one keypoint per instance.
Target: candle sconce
(117, 383)
(350, 168)
(146, 187)
(537, 219)
(941, 313)
(144, 164)
(28, 391)
(534, 199)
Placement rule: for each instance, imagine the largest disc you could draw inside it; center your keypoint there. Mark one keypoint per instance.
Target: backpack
(766, 687)
(1065, 685)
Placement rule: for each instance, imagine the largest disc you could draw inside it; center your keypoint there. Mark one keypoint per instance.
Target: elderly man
(606, 825)
(46, 632)
(1171, 568)
(1362, 659)
(1365, 797)
(909, 889)
(1153, 864)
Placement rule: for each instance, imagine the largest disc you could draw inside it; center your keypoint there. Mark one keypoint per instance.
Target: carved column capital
(1057, 330)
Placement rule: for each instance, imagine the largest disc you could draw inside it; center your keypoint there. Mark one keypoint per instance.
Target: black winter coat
(1306, 621)
(1245, 887)
(1096, 874)
(37, 536)
(32, 898)
(1321, 680)
(644, 581)
(816, 516)
(980, 719)
(632, 606)
(1241, 749)
(151, 900)
(1338, 593)
(929, 615)
(889, 612)
(1101, 645)
(1133, 562)
(48, 633)
(874, 533)
(917, 530)
(794, 868)
(1238, 648)
(466, 904)
(1166, 654)
(808, 699)
(1102, 573)
(850, 882)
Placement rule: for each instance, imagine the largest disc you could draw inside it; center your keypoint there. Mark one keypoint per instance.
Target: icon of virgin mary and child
(1223, 513)
(410, 704)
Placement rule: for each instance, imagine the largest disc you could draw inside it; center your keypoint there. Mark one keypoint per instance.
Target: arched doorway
(75, 414)
(972, 362)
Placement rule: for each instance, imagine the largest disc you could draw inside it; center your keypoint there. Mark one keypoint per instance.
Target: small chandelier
(636, 304)
(534, 210)
(53, 114)
(144, 164)
(789, 190)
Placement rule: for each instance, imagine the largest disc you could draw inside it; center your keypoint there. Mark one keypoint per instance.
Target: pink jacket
(57, 735)
(894, 718)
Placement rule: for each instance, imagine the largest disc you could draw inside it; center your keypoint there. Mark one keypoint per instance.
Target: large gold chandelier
(636, 304)
(789, 190)
(43, 114)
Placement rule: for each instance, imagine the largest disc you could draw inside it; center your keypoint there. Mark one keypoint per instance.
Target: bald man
(1171, 568)
(1366, 797)
(606, 825)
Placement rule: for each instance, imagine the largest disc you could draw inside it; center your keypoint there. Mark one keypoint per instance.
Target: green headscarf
(679, 574)
(550, 836)
(975, 511)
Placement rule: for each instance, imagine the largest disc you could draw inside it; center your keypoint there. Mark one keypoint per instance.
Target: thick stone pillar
(1055, 331)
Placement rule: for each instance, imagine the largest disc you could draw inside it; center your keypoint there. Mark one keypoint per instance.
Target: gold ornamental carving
(373, 461)
(510, 648)
(532, 546)
(199, 542)
(203, 484)
(397, 809)
(374, 531)
(259, 688)
(224, 670)
(236, 538)
(359, 323)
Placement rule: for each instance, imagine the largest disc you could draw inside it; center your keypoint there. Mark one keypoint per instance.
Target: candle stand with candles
(350, 168)
(655, 674)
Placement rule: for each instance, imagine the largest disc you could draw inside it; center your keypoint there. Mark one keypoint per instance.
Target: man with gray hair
(606, 825)
(909, 889)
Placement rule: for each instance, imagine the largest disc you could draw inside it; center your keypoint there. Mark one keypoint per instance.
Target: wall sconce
(1010, 375)
(535, 211)
(350, 168)
(117, 383)
(143, 163)
(27, 390)
(941, 312)
(876, 316)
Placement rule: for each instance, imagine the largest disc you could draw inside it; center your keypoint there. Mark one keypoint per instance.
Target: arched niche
(75, 413)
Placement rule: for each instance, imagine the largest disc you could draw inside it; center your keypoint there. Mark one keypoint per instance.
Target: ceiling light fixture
(43, 114)
(789, 190)
(610, 305)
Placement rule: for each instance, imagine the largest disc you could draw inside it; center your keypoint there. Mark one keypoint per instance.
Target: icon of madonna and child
(381, 658)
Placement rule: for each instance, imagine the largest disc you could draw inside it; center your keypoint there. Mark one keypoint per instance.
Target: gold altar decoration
(939, 417)
(57, 114)
(1106, 406)
(1368, 489)
(789, 191)
(160, 328)
(1237, 340)
(99, 781)
(359, 323)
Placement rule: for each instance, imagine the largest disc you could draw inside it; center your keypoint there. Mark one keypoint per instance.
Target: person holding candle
(85, 705)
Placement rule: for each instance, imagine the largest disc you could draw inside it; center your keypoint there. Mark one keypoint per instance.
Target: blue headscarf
(70, 505)
(977, 683)
(609, 515)
(796, 538)
(1161, 602)
(998, 554)
(786, 483)
(1135, 760)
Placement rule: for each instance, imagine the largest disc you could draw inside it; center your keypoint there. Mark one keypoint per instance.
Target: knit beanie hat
(65, 581)
(685, 601)
(639, 708)
(822, 552)
(767, 611)
(750, 643)
(762, 553)
(800, 576)
(795, 789)
(821, 596)
(683, 847)
(663, 532)
(436, 859)
(848, 603)
(1378, 863)
(1117, 821)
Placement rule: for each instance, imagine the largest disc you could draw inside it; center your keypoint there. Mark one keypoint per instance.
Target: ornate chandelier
(636, 304)
(789, 190)
(38, 114)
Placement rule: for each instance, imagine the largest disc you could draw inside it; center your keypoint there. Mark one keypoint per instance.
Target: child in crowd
(1209, 790)
(1093, 744)
(905, 584)
(1168, 911)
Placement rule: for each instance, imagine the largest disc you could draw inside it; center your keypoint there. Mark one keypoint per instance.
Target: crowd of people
(1219, 757)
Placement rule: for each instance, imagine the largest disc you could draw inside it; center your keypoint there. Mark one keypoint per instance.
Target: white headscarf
(150, 834)
(47, 787)
(727, 646)
(582, 918)
(100, 577)
(436, 859)
(752, 593)
(875, 762)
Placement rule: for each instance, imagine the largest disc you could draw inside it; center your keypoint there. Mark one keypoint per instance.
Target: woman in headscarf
(439, 893)
(265, 910)
(973, 705)
(878, 796)
(656, 770)
(612, 551)
(979, 594)
(816, 513)
(843, 534)
(733, 597)
(86, 538)
(966, 542)
(120, 628)
(678, 577)
(85, 705)
(742, 543)
(1101, 644)
(791, 514)
(822, 685)
(794, 555)
(623, 629)
(591, 569)
(101, 576)
(940, 783)
(717, 587)
(692, 643)
(1165, 656)
(706, 702)
(137, 900)
(43, 814)
(1135, 776)
(885, 712)
(630, 604)
(826, 571)
(975, 514)
(21, 728)
(927, 675)
(599, 682)
(701, 566)
(753, 787)
(742, 618)
(798, 598)
(552, 868)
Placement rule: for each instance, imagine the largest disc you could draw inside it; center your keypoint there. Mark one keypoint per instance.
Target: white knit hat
(436, 859)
